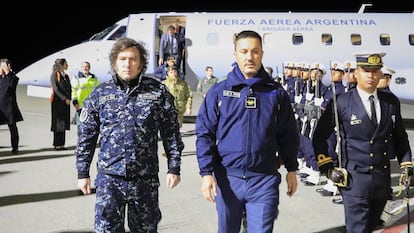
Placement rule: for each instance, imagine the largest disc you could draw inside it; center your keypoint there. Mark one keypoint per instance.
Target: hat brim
(377, 67)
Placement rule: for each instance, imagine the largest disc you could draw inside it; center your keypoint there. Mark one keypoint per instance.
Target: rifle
(283, 75)
(348, 71)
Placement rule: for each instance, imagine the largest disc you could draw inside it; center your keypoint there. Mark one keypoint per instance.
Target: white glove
(298, 99)
(309, 96)
(318, 101)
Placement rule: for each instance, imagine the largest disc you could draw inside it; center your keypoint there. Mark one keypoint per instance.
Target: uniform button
(385, 153)
(371, 155)
(371, 142)
(385, 166)
(371, 167)
(386, 140)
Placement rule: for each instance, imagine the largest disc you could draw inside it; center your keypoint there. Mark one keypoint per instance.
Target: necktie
(373, 112)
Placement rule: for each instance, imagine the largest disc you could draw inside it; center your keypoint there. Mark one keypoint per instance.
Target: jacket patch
(83, 115)
(148, 96)
(231, 94)
(355, 120)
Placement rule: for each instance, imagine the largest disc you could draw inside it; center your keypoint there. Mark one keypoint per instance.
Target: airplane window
(297, 39)
(356, 39)
(411, 39)
(120, 33)
(102, 34)
(385, 39)
(327, 39)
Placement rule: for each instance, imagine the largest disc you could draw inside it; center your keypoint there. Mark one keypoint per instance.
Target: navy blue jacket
(244, 140)
(365, 148)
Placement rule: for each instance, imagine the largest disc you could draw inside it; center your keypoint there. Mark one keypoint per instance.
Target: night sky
(28, 34)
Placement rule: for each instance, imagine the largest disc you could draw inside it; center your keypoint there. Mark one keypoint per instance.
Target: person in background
(385, 81)
(60, 101)
(82, 86)
(183, 96)
(170, 45)
(206, 82)
(9, 110)
(269, 70)
(180, 32)
(161, 71)
(241, 124)
(128, 113)
(367, 120)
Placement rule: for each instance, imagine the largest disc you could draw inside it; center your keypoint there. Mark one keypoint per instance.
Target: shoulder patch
(83, 115)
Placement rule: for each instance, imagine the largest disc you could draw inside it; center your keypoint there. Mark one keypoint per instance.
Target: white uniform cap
(387, 70)
(336, 65)
(351, 64)
(320, 66)
(304, 65)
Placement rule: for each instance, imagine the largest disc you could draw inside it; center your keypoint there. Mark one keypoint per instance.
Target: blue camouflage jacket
(242, 123)
(128, 117)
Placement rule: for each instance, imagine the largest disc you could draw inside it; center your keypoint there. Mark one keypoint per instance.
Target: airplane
(287, 36)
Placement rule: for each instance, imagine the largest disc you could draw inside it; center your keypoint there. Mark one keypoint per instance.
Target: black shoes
(15, 151)
(325, 192)
(60, 148)
(338, 201)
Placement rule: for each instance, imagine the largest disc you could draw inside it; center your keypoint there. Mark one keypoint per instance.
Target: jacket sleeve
(87, 140)
(170, 133)
(401, 142)
(206, 128)
(288, 138)
(324, 128)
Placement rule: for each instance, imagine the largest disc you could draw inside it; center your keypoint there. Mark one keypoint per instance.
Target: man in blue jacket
(244, 128)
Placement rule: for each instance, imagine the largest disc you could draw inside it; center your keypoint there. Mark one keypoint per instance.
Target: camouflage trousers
(139, 197)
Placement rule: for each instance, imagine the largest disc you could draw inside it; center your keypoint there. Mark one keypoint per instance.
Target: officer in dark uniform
(366, 126)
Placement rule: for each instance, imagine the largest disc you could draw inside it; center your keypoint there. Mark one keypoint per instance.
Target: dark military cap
(369, 60)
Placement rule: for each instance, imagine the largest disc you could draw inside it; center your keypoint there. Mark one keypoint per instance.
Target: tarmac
(39, 191)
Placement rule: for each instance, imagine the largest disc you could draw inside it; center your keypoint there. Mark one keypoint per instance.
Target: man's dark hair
(246, 34)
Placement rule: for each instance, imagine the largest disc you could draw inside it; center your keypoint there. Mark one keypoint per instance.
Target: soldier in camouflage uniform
(127, 113)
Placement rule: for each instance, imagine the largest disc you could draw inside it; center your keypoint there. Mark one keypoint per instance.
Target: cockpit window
(120, 33)
(104, 33)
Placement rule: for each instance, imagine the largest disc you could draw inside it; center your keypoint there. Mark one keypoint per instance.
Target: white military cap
(369, 60)
(319, 66)
(286, 64)
(304, 65)
(336, 65)
(349, 64)
(387, 70)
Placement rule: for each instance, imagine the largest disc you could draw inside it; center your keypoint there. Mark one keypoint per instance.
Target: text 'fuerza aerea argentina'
(291, 22)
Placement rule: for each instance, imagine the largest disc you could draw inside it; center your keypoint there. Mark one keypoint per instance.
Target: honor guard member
(307, 113)
(384, 83)
(290, 80)
(349, 75)
(128, 113)
(367, 120)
